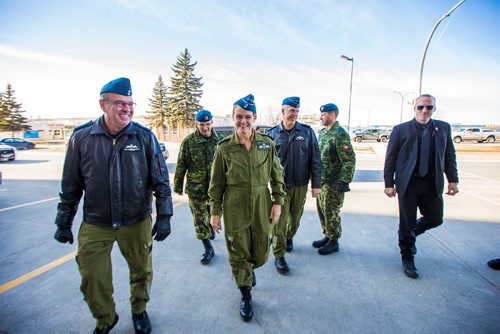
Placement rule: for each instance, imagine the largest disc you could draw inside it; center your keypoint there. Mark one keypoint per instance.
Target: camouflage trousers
(288, 224)
(95, 243)
(201, 217)
(329, 202)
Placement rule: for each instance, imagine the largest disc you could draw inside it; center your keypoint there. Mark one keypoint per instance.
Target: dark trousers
(421, 194)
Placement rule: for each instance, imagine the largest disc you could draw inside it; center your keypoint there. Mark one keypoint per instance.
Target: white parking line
(26, 204)
(479, 177)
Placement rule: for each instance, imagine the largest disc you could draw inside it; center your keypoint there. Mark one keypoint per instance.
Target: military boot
(246, 310)
(332, 246)
(209, 252)
(289, 245)
(320, 243)
(106, 329)
(281, 265)
(142, 325)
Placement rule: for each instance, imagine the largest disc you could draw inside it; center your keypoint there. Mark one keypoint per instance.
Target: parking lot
(360, 289)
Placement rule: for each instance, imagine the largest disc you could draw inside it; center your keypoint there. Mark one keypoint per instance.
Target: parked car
(378, 134)
(18, 143)
(475, 134)
(7, 153)
(164, 150)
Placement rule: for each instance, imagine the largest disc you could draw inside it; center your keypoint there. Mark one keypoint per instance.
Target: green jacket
(240, 182)
(195, 158)
(338, 159)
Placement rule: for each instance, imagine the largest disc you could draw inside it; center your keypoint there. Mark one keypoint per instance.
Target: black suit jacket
(401, 156)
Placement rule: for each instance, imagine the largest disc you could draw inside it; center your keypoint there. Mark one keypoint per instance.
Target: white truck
(476, 134)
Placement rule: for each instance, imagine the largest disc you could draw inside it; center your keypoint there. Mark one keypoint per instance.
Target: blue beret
(329, 107)
(119, 86)
(292, 101)
(247, 103)
(203, 116)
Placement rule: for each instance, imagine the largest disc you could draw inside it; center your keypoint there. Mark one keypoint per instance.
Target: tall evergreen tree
(184, 93)
(11, 114)
(157, 112)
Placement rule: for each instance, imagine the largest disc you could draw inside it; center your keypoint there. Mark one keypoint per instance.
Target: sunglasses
(420, 108)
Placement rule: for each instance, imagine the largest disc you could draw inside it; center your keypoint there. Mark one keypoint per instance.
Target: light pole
(350, 91)
(403, 96)
(429, 40)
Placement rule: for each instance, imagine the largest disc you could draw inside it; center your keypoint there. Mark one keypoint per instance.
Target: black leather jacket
(298, 151)
(118, 176)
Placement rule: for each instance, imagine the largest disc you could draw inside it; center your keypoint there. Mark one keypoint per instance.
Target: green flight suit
(195, 159)
(239, 190)
(338, 162)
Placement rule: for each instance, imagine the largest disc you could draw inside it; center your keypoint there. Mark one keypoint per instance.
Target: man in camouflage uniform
(337, 169)
(195, 158)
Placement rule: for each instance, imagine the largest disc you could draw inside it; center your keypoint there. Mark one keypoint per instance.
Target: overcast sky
(58, 54)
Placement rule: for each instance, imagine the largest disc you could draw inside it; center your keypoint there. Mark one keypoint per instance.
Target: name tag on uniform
(263, 146)
(299, 138)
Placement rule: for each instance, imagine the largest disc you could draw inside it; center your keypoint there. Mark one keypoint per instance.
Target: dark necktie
(425, 146)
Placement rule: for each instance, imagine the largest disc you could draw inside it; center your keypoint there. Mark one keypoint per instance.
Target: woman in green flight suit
(245, 163)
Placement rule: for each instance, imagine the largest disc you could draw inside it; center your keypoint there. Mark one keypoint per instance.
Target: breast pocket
(262, 168)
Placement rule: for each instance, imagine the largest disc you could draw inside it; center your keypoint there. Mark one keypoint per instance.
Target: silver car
(7, 153)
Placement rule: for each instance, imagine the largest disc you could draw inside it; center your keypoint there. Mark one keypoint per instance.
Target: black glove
(64, 235)
(161, 228)
(344, 187)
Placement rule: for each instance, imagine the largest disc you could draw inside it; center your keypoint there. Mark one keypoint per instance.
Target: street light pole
(350, 90)
(403, 96)
(429, 40)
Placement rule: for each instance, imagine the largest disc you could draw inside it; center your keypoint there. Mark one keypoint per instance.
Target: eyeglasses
(121, 104)
(420, 108)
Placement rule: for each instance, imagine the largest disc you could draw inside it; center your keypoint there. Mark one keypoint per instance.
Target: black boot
(332, 246)
(320, 243)
(106, 329)
(281, 265)
(209, 252)
(254, 279)
(246, 310)
(142, 325)
(409, 268)
(289, 245)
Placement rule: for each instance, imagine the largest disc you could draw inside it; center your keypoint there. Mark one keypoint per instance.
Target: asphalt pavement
(361, 289)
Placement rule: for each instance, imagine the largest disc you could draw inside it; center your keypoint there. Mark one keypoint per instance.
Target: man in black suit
(418, 154)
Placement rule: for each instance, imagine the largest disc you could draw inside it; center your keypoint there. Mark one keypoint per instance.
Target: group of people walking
(255, 183)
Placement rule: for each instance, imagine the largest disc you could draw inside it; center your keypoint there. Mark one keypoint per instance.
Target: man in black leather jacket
(298, 151)
(117, 165)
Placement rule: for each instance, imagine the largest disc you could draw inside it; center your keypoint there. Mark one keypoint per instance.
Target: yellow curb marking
(37, 272)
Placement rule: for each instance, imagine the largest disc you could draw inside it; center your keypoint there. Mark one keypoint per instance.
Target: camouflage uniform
(239, 190)
(195, 158)
(338, 161)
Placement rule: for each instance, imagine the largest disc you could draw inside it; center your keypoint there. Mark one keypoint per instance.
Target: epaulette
(305, 125)
(224, 139)
(139, 125)
(341, 130)
(79, 127)
(265, 135)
